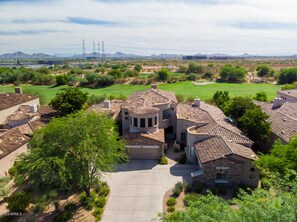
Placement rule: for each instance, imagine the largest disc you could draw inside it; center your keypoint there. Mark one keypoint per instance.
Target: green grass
(185, 88)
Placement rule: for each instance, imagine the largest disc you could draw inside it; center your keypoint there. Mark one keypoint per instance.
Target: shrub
(66, 214)
(265, 184)
(171, 209)
(87, 202)
(104, 190)
(188, 188)
(197, 188)
(18, 202)
(192, 77)
(12, 171)
(213, 190)
(163, 160)
(98, 213)
(189, 198)
(182, 159)
(100, 202)
(171, 201)
(178, 188)
(222, 190)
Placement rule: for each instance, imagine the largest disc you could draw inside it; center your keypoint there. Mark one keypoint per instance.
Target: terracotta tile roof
(144, 110)
(212, 149)
(8, 100)
(143, 138)
(11, 140)
(212, 121)
(291, 92)
(149, 98)
(115, 108)
(283, 119)
(23, 112)
(216, 147)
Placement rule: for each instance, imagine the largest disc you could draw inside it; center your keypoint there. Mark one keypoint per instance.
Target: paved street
(137, 189)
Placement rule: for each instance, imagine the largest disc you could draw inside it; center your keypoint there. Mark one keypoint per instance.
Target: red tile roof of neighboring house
(8, 100)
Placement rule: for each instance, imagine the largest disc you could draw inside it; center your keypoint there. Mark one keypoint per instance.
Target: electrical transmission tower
(84, 48)
(103, 50)
(98, 55)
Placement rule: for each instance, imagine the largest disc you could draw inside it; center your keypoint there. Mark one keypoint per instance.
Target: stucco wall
(7, 162)
(5, 113)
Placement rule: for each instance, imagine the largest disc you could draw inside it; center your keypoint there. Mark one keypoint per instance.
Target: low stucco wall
(7, 162)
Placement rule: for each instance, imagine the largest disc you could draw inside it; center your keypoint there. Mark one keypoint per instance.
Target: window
(135, 122)
(191, 151)
(155, 120)
(126, 113)
(142, 123)
(150, 122)
(221, 174)
(183, 137)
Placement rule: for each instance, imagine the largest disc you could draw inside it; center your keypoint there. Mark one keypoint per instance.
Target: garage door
(140, 153)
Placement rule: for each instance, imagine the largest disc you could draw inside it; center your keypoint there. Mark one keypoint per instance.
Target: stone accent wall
(234, 173)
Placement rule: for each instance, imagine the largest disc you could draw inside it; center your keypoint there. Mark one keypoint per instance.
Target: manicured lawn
(185, 88)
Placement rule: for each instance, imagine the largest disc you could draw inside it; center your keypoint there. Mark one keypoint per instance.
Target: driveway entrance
(137, 189)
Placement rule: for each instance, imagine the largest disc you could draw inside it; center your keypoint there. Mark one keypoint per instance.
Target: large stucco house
(151, 118)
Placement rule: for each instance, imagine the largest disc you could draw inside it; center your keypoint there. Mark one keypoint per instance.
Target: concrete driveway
(137, 189)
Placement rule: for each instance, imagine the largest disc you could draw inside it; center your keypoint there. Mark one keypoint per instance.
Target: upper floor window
(135, 124)
(142, 123)
(150, 122)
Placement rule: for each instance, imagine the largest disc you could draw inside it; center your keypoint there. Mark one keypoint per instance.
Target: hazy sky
(146, 27)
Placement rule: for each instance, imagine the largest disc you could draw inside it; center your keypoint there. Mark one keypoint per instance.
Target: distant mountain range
(117, 55)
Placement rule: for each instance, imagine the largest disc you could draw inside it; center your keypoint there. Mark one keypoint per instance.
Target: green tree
(116, 73)
(254, 123)
(238, 106)
(221, 99)
(232, 74)
(288, 75)
(282, 157)
(71, 152)
(138, 67)
(261, 96)
(163, 74)
(264, 70)
(62, 79)
(69, 101)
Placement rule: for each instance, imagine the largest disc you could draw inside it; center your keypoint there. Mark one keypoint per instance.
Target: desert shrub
(4, 186)
(222, 190)
(180, 98)
(189, 198)
(171, 201)
(98, 213)
(188, 188)
(198, 188)
(87, 202)
(182, 159)
(66, 214)
(12, 171)
(163, 160)
(170, 209)
(104, 190)
(39, 207)
(192, 77)
(18, 202)
(100, 202)
(178, 188)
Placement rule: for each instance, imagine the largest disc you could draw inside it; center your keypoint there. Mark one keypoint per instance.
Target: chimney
(106, 104)
(33, 108)
(278, 102)
(197, 102)
(18, 90)
(154, 86)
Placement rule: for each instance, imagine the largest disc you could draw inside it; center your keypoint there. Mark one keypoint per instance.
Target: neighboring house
(283, 119)
(10, 102)
(151, 118)
(288, 95)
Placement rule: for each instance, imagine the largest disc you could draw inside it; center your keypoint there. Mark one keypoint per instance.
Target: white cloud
(145, 27)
